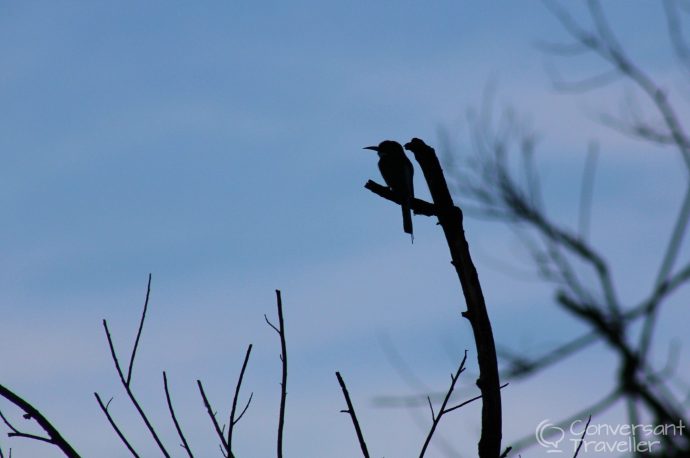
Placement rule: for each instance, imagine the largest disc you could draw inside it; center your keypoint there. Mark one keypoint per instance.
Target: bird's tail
(407, 219)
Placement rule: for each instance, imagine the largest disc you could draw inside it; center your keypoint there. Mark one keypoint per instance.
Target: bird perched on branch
(397, 171)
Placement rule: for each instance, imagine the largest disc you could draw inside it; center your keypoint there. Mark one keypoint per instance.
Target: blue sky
(218, 146)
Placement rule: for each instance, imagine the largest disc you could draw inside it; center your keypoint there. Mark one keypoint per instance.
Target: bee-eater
(397, 171)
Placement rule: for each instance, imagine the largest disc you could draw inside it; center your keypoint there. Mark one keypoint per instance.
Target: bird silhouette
(397, 171)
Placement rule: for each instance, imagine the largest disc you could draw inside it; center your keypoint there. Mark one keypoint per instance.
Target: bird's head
(387, 148)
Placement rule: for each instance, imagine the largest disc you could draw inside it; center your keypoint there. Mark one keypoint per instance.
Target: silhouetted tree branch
(436, 418)
(283, 359)
(353, 416)
(233, 420)
(126, 382)
(31, 413)
(492, 188)
(184, 444)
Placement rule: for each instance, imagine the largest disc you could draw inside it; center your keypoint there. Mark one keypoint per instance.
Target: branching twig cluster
(492, 188)
(225, 438)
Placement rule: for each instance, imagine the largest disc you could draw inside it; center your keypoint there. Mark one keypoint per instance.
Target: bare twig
(16, 433)
(675, 32)
(442, 410)
(283, 382)
(212, 416)
(582, 438)
(520, 366)
(670, 256)
(126, 381)
(600, 406)
(586, 190)
(131, 396)
(185, 445)
(353, 416)
(233, 420)
(419, 206)
(470, 401)
(118, 431)
(141, 327)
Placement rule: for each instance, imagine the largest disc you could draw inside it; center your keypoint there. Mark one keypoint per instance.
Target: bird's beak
(373, 148)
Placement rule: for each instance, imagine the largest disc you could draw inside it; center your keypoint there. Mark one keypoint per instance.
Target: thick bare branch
(451, 220)
(54, 437)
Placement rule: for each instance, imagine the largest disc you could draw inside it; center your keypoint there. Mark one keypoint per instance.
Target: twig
(54, 437)
(16, 433)
(283, 359)
(419, 206)
(141, 327)
(104, 408)
(131, 396)
(670, 256)
(442, 410)
(212, 415)
(353, 416)
(586, 190)
(521, 367)
(594, 409)
(126, 381)
(185, 445)
(233, 421)
(470, 401)
(582, 438)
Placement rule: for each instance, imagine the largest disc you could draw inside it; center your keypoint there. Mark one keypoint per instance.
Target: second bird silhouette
(398, 172)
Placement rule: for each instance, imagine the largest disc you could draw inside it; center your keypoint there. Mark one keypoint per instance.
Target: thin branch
(442, 410)
(353, 416)
(587, 190)
(31, 412)
(670, 256)
(661, 292)
(246, 406)
(594, 409)
(185, 445)
(584, 84)
(470, 401)
(231, 423)
(141, 327)
(419, 206)
(675, 32)
(212, 416)
(126, 381)
(582, 438)
(130, 393)
(104, 408)
(521, 367)
(16, 433)
(113, 353)
(283, 382)
(636, 128)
